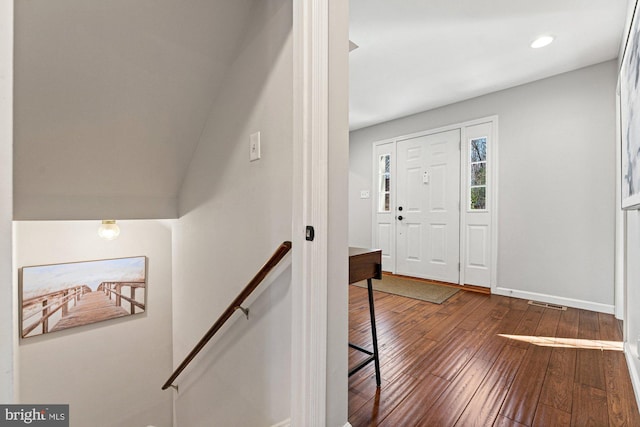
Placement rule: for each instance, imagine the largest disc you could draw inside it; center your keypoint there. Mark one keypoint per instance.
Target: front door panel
(427, 206)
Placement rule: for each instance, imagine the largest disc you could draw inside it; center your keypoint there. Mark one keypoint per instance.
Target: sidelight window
(384, 180)
(478, 174)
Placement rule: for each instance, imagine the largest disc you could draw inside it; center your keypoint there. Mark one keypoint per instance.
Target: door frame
(319, 363)
(492, 190)
(8, 296)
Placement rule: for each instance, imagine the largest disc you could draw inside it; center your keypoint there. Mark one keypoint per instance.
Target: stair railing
(277, 256)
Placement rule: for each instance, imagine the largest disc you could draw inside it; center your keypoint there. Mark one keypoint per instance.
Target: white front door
(427, 215)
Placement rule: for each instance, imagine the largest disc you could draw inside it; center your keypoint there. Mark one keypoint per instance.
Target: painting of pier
(61, 296)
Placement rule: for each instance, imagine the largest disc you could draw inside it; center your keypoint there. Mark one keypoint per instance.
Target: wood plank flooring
(448, 365)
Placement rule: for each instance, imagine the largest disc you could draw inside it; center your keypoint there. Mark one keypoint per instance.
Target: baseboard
(347, 425)
(633, 365)
(569, 302)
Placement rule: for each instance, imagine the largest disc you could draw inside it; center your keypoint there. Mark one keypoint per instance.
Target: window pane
(384, 182)
(479, 174)
(383, 201)
(479, 150)
(384, 164)
(478, 200)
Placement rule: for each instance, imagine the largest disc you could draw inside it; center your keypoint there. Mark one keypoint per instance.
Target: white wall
(233, 215)
(556, 183)
(7, 317)
(110, 373)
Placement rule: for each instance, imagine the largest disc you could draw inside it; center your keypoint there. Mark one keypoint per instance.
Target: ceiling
(416, 55)
(111, 96)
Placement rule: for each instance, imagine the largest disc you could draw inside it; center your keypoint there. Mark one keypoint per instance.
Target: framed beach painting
(630, 117)
(61, 296)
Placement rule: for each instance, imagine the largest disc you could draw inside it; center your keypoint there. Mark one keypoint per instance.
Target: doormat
(410, 288)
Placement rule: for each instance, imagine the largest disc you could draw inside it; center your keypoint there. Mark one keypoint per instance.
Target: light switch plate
(364, 194)
(254, 146)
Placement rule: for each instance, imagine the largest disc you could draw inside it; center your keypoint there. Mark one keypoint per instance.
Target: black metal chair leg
(374, 334)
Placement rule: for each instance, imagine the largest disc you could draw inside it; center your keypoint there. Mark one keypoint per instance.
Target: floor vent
(546, 305)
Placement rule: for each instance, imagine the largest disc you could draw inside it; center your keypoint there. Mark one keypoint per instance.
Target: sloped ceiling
(111, 96)
(416, 55)
(110, 100)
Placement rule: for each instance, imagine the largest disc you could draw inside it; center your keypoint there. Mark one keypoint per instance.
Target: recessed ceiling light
(542, 41)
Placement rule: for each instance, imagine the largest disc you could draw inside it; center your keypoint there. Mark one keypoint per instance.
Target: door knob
(399, 217)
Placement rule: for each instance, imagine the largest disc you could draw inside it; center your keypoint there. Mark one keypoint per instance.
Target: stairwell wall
(233, 214)
(7, 330)
(111, 372)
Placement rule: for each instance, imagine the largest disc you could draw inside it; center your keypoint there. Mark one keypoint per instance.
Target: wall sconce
(108, 230)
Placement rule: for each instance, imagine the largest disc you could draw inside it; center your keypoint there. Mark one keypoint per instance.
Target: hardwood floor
(447, 365)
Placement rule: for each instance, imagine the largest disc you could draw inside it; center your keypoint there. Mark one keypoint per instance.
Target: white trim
(8, 298)
(494, 203)
(632, 365)
(310, 204)
(446, 128)
(347, 425)
(551, 299)
(462, 206)
(374, 197)
(620, 235)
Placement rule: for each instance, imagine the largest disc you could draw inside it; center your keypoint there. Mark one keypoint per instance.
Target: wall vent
(546, 305)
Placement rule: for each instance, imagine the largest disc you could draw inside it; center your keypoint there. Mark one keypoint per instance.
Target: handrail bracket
(242, 309)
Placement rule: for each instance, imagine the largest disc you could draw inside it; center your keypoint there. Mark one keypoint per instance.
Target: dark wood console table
(366, 264)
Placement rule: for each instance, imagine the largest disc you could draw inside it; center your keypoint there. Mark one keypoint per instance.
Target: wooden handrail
(282, 250)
